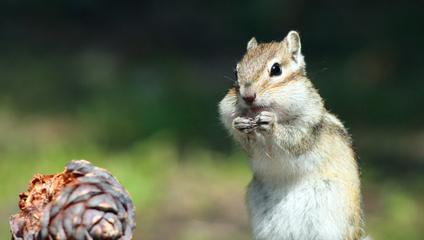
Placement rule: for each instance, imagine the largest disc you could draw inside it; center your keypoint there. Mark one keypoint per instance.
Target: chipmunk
(305, 181)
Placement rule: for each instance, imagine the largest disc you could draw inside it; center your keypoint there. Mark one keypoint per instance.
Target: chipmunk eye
(275, 70)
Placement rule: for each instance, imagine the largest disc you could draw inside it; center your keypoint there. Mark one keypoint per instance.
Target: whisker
(318, 71)
(229, 78)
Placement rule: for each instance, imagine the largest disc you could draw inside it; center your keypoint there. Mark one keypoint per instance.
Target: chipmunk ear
(252, 43)
(292, 41)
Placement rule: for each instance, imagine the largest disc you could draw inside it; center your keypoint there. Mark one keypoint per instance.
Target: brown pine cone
(82, 203)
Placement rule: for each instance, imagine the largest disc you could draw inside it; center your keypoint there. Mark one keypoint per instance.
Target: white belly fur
(310, 209)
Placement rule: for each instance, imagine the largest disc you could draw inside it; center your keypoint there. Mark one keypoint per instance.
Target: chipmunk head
(267, 75)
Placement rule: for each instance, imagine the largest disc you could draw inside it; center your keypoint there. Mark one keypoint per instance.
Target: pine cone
(82, 203)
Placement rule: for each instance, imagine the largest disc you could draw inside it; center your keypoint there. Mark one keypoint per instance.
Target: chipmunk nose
(249, 99)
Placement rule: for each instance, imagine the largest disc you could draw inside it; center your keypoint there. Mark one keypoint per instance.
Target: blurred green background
(134, 87)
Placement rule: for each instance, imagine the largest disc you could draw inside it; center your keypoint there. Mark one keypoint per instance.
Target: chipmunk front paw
(244, 124)
(266, 120)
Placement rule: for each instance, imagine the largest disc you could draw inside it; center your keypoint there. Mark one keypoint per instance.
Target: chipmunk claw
(243, 124)
(265, 120)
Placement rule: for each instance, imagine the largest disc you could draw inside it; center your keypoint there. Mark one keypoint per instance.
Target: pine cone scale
(103, 202)
(83, 193)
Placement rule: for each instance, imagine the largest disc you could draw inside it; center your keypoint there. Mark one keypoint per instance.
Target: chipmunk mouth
(257, 108)
(253, 109)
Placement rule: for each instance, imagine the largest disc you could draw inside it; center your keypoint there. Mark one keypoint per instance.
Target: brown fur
(267, 86)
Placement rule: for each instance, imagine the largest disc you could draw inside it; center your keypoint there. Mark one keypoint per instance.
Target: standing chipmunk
(305, 181)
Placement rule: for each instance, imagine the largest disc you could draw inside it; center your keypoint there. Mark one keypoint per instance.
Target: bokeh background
(134, 87)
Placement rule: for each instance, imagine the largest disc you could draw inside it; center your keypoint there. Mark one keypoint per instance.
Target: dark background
(121, 83)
